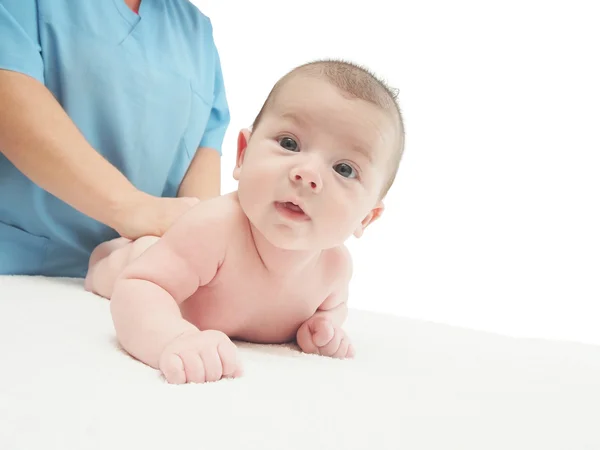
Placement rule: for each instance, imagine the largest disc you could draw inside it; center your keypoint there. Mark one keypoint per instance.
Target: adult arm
(203, 178)
(38, 137)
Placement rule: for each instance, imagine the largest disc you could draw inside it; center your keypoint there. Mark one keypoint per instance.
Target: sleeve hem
(23, 66)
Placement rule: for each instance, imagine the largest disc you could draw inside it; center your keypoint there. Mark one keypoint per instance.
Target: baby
(267, 263)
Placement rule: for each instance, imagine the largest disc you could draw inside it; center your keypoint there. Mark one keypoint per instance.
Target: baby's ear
(242, 145)
(373, 215)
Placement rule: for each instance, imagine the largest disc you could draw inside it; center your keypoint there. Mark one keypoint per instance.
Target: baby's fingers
(172, 368)
(195, 369)
(351, 351)
(229, 360)
(305, 340)
(322, 332)
(345, 350)
(211, 360)
(332, 347)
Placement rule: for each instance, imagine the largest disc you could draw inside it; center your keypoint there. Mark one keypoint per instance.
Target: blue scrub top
(145, 90)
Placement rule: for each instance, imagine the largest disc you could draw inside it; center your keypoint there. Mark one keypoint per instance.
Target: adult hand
(150, 216)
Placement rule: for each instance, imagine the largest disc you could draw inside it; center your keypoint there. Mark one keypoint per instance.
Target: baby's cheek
(342, 220)
(264, 176)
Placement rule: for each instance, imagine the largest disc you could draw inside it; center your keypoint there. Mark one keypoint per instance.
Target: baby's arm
(146, 297)
(335, 307)
(322, 333)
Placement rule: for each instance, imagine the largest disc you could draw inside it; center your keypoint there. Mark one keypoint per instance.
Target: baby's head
(322, 154)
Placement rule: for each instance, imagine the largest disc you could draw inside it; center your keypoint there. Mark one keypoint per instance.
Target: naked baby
(267, 263)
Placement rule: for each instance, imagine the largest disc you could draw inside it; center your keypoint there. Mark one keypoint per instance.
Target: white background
(494, 221)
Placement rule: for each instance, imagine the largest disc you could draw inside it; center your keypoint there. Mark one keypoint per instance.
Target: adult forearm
(146, 318)
(39, 138)
(203, 178)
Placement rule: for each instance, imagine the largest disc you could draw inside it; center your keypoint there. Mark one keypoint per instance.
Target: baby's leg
(108, 261)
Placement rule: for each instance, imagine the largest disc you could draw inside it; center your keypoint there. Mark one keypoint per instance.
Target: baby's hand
(319, 335)
(199, 356)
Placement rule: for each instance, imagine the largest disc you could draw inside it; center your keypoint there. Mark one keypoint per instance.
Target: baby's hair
(358, 82)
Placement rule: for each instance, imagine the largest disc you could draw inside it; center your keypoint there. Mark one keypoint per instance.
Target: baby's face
(312, 171)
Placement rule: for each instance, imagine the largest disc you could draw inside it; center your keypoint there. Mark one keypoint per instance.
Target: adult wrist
(123, 206)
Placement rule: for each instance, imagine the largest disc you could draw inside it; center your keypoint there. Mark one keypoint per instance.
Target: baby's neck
(283, 262)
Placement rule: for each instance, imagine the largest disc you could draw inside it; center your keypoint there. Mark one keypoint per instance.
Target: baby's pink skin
(164, 291)
(249, 265)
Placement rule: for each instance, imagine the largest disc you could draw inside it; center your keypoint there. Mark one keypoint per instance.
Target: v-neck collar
(130, 16)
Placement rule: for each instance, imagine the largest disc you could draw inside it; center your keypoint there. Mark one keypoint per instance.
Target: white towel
(65, 384)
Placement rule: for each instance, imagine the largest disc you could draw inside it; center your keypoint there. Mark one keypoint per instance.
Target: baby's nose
(308, 178)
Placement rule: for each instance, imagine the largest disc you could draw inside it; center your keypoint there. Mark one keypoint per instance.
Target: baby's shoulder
(216, 216)
(337, 264)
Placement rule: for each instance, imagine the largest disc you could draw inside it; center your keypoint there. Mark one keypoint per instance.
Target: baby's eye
(345, 170)
(289, 144)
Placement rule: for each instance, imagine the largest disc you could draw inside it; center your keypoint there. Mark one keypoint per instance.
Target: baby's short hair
(358, 82)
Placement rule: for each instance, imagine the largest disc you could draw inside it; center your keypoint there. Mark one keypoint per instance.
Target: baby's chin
(302, 237)
(304, 243)
(289, 243)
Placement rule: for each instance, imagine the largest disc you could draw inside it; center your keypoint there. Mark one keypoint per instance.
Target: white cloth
(65, 384)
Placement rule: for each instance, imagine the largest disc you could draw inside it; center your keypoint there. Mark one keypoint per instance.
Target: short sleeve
(219, 118)
(20, 49)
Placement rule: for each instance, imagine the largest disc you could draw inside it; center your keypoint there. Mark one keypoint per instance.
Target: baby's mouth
(291, 210)
(293, 207)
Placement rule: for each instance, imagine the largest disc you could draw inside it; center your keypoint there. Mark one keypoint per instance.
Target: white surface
(64, 384)
(493, 223)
